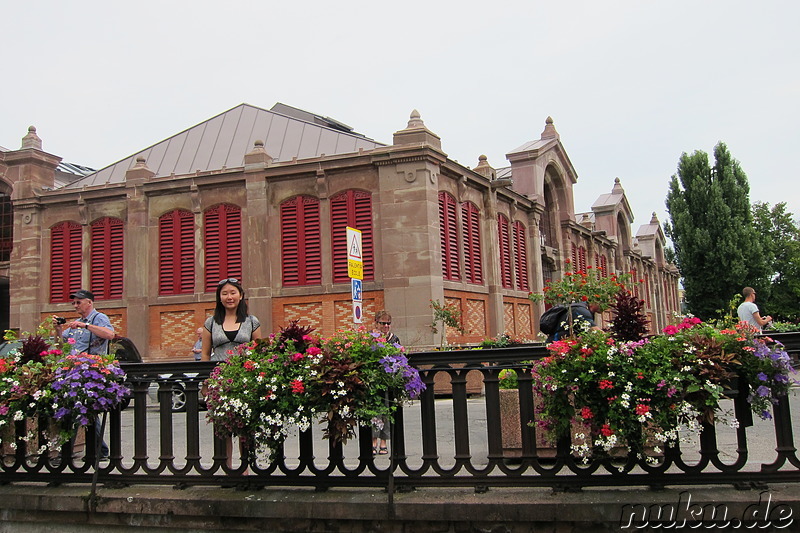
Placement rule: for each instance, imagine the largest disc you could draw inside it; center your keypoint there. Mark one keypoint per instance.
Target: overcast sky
(630, 84)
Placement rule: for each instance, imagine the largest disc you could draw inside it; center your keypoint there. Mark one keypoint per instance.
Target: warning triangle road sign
(355, 248)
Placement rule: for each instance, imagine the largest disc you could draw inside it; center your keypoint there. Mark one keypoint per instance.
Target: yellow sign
(355, 269)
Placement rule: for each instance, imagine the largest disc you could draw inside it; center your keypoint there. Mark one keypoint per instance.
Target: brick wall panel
(475, 318)
(508, 318)
(307, 313)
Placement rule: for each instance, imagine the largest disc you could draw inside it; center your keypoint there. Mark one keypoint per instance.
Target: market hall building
(265, 196)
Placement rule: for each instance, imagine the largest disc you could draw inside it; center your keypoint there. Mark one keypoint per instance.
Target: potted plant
(295, 378)
(45, 379)
(638, 394)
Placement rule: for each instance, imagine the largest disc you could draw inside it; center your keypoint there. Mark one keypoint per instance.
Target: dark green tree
(781, 240)
(717, 247)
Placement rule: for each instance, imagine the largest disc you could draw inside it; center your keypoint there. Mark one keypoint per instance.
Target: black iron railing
(458, 437)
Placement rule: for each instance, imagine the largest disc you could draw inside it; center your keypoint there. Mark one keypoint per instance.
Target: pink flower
(296, 357)
(313, 350)
(71, 340)
(670, 330)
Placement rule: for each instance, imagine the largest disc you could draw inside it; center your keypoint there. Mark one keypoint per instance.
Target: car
(7, 346)
(178, 391)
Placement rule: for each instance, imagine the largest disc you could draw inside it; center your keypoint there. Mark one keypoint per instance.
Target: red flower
(606, 430)
(297, 386)
(606, 384)
(586, 413)
(642, 409)
(249, 365)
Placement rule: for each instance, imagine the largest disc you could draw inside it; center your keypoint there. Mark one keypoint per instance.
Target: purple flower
(763, 391)
(762, 376)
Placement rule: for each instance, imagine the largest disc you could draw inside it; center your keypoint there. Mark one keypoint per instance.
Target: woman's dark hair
(219, 310)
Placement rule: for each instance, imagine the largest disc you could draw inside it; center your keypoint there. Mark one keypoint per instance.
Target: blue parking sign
(356, 289)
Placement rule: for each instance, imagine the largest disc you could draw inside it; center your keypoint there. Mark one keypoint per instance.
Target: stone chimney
(417, 133)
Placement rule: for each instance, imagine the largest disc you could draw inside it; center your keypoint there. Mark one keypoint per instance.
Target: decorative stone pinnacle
(31, 140)
(654, 219)
(258, 157)
(415, 120)
(550, 130)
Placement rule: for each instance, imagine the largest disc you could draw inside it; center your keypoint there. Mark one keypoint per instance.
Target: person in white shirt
(748, 310)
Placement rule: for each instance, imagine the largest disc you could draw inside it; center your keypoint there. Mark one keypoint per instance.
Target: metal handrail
(451, 439)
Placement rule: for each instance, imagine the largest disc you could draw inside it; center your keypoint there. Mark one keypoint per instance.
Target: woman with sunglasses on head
(380, 431)
(231, 325)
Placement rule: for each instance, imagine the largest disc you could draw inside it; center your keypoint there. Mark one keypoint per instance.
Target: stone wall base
(36, 508)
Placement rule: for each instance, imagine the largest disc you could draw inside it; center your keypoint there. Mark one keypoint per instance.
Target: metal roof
(222, 141)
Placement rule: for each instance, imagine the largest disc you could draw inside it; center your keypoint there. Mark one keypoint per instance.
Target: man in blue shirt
(91, 331)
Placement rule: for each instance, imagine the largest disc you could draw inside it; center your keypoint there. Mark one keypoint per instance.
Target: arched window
(223, 244)
(107, 267)
(504, 241)
(470, 229)
(520, 257)
(6, 226)
(448, 235)
(354, 209)
(176, 252)
(65, 260)
(301, 249)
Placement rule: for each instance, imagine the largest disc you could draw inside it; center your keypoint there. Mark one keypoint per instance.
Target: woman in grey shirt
(231, 325)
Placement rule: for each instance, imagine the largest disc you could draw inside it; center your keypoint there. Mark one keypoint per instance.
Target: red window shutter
(301, 249)
(449, 239)
(223, 244)
(574, 254)
(6, 226)
(504, 241)
(354, 209)
(520, 257)
(583, 260)
(107, 266)
(176, 252)
(470, 221)
(65, 260)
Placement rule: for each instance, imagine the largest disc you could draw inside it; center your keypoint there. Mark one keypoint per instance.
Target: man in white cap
(92, 330)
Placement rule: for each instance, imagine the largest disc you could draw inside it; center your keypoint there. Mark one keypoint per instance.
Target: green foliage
(508, 379)
(444, 316)
(629, 322)
(717, 247)
(591, 286)
(502, 341)
(781, 240)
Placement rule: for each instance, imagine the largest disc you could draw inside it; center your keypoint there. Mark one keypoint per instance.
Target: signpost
(355, 270)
